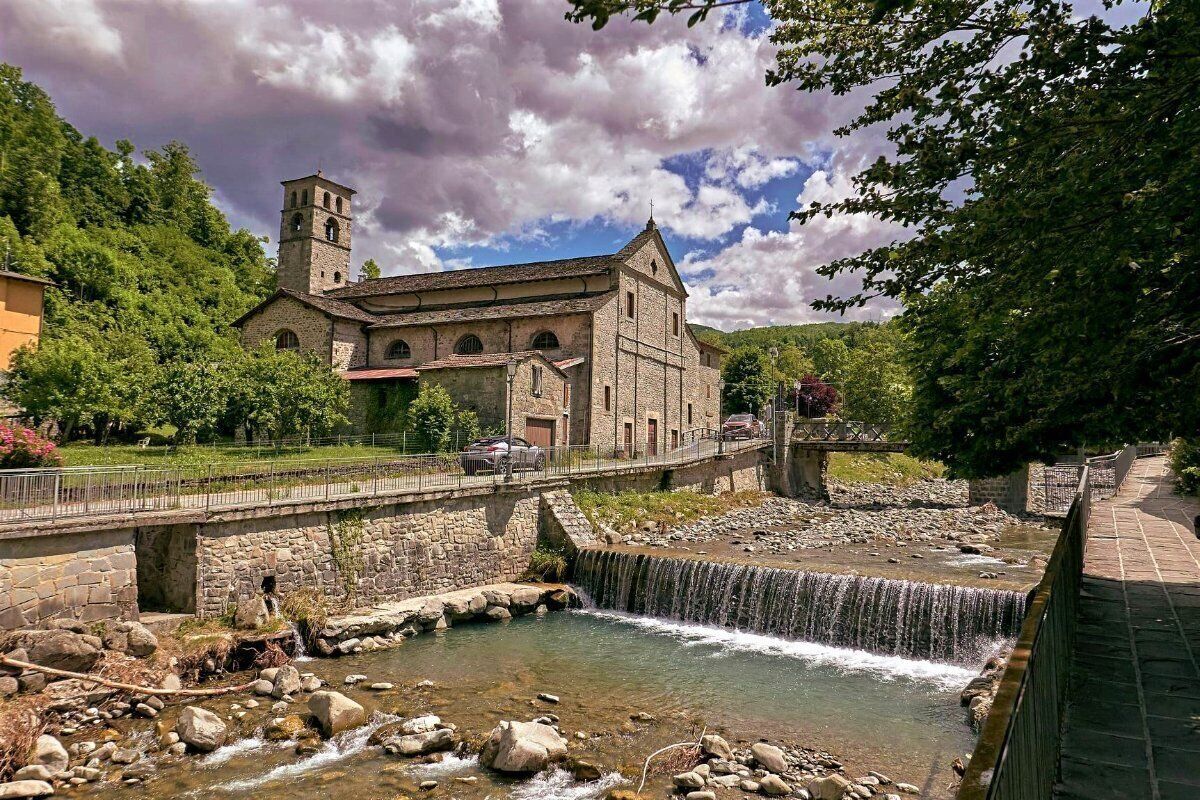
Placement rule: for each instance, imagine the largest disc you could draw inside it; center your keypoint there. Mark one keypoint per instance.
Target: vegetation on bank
(889, 468)
(624, 509)
(1185, 463)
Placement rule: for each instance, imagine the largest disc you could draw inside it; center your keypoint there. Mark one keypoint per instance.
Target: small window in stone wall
(337, 277)
(293, 205)
(331, 230)
(304, 197)
(287, 340)
(338, 203)
(399, 349)
(325, 200)
(689, 413)
(469, 345)
(653, 267)
(608, 398)
(566, 395)
(297, 221)
(537, 381)
(674, 439)
(674, 323)
(630, 304)
(546, 340)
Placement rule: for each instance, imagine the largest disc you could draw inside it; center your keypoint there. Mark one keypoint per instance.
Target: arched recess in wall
(293, 200)
(398, 350)
(468, 345)
(325, 200)
(546, 340)
(287, 339)
(297, 221)
(338, 203)
(331, 230)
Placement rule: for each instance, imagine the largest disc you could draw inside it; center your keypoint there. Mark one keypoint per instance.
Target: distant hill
(780, 335)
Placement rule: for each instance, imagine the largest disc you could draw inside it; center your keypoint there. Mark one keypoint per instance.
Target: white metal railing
(61, 492)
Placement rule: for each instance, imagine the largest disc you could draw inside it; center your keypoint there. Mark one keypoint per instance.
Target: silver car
(494, 452)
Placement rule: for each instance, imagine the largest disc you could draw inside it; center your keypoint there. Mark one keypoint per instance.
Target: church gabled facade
(600, 345)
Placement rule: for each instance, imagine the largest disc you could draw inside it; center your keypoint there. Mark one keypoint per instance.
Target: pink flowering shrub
(24, 447)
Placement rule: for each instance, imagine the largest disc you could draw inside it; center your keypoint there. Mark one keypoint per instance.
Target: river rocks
(25, 789)
(582, 770)
(132, 638)
(58, 649)
(830, 787)
(774, 785)
(283, 728)
(262, 687)
(714, 745)
(34, 772)
(497, 614)
(769, 757)
(522, 747)
(335, 712)
(50, 753)
(423, 724)
(702, 794)
(417, 744)
(200, 729)
(286, 682)
(251, 613)
(688, 780)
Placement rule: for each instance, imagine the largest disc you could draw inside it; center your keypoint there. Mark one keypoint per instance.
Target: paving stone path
(1133, 721)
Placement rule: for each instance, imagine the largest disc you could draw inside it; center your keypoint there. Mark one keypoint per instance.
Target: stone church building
(600, 346)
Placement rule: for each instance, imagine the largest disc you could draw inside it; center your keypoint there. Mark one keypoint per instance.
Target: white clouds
(459, 121)
(770, 277)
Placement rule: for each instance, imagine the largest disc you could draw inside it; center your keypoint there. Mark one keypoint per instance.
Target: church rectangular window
(629, 304)
(608, 398)
(537, 381)
(674, 323)
(689, 413)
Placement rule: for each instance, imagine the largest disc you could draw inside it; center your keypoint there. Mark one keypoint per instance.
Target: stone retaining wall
(395, 549)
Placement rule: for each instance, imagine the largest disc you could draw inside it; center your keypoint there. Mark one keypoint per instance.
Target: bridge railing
(840, 431)
(29, 495)
(1107, 474)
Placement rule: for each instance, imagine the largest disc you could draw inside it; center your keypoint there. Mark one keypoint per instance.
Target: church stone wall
(311, 326)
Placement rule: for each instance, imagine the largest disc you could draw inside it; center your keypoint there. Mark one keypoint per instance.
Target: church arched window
(331, 230)
(304, 197)
(297, 221)
(399, 349)
(338, 203)
(337, 277)
(293, 200)
(287, 340)
(325, 200)
(546, 340)
(469, 345)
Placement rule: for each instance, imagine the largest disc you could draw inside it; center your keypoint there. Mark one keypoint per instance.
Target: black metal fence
(1016, 757)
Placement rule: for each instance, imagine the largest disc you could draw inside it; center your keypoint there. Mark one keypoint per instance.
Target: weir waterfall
(893, 617)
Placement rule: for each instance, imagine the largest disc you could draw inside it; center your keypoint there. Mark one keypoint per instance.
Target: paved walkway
(1133, 723)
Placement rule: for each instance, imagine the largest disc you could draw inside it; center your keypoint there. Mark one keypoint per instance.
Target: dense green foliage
(148, 278)
(433, 416)
(1045, 164)
(1185, 463)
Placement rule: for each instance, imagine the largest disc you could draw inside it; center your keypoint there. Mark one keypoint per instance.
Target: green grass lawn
(81, 454)
(891, 468)
(673, 508)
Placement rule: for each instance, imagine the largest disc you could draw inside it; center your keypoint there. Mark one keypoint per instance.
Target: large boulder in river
(49, 752)
(133, 638)
(286, 681)
(335, 712)
(831, 787)
(419, 744)
(59, 649)
(251, 613)
(714, 745)
(522, 747)
(769, 757)
(25, 789)
(200, 729)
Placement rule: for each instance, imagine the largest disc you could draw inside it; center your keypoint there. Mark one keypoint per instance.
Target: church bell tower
(314, 235)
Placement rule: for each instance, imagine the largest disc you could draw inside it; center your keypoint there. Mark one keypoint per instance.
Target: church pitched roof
(477, 276)
(515, 310)
(486, 360)
(324, 304)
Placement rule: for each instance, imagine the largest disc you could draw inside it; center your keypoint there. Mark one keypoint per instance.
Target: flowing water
(897, 715)
(880, 615)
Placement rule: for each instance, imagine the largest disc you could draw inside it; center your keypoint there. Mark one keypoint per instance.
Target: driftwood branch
(646, 766)
(129, 687)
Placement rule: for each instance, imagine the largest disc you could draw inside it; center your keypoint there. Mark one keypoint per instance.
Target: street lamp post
(720, 410)
(508, 431)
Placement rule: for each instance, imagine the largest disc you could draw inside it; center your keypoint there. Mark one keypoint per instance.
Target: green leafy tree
(749, 381)
(281, 394)
(793, 364)
(194, 396)
(877, 387)
(1044, 165)
(432, 416)
(370, 270)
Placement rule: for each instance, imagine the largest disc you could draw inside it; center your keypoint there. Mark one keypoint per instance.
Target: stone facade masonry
(87, 576)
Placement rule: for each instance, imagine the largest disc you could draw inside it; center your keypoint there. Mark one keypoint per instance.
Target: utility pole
(512, 374)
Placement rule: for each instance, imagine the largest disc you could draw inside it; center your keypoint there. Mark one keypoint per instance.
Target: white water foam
(339, 748)
(945, 676)
(972, 559)
(239, 748)
(451, 764)
(557, 784)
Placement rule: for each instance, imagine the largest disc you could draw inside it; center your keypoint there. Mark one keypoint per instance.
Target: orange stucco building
(21, 299)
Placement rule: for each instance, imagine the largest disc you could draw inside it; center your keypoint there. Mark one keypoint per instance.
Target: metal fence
(404, 442)
(839, 431)
(50, 494)
(1107, 472)
(1016, 757)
